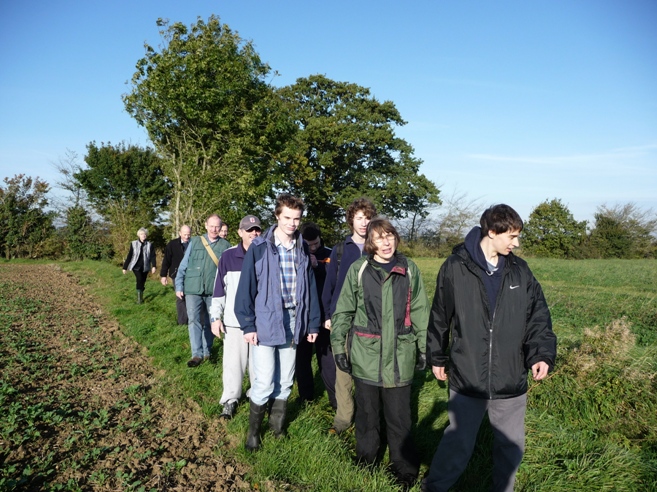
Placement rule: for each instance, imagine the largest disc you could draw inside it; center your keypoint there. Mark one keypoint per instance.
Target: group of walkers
(361, 307)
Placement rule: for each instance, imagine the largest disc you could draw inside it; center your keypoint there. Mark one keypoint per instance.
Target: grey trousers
(507, 418)
(235, 361)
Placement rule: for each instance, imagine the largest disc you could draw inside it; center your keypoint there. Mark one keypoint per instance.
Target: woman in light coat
(140, 257)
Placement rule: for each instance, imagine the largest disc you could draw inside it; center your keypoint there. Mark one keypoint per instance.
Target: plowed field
(79, 406)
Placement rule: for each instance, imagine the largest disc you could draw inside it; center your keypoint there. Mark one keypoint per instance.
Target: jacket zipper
(490, 343)
(490, 358)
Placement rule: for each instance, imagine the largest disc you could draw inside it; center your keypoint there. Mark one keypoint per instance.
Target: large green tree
(346, 147)
(127, 176)
(126, 186)
(25, 224)
(203, 98)
(83, 238)
(552, 231)
(623, 231)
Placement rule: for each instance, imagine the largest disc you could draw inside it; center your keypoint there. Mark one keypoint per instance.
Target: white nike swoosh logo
(513, 287)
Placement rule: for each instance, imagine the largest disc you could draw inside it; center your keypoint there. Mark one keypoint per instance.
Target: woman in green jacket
(378, 329)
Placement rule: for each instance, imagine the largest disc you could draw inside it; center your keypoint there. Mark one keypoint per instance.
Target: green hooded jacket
(378, 324)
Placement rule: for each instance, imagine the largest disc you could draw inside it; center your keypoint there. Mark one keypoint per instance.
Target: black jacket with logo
(488, 353)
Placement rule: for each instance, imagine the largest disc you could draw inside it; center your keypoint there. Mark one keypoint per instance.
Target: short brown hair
(382, 226)
(500, 219)
(289, 201)
(362, 204)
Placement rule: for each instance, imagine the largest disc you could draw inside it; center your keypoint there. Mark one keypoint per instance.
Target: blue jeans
(200, 334)
(273, 367)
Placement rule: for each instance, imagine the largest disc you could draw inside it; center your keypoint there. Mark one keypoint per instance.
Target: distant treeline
(78, 229)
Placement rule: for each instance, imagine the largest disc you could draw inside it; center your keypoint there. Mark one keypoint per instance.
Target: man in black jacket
(489, 325)
(319, 255)
(173, 255)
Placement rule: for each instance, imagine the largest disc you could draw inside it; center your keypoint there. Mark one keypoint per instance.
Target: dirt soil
(102, 425)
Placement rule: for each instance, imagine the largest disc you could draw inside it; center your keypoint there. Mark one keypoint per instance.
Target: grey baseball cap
(250, 222)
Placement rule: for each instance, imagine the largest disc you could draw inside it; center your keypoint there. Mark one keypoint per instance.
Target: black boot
(140, 297)
(277, 417)
(257, 413)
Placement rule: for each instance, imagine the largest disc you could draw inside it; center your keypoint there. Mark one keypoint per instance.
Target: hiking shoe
(194, 362)
(405, 481)
(228, 411)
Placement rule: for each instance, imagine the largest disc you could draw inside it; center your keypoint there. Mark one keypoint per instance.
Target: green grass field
(592, 425)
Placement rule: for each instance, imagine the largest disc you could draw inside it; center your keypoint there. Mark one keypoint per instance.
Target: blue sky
(506, 101)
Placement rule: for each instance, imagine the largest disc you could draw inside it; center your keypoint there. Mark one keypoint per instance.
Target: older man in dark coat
(173, 255)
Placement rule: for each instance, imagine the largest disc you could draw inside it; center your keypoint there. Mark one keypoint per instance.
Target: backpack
(339, 249)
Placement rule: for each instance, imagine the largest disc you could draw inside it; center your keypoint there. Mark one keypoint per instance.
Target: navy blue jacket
(335, 276)
(259, 300)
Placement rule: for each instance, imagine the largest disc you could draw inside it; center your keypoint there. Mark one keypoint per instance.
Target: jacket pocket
(365, 353)
(406, 354)
(193, 283)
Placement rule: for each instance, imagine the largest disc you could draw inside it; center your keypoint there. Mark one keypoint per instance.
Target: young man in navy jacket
(359, 214)
(276, 305)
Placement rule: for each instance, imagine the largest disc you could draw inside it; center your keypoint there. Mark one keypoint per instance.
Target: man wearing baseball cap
(223, 320)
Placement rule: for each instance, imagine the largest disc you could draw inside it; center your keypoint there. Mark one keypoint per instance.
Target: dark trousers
(507, 418)
(141, 278)
(325, 362)
(397, 413)
(181, 310)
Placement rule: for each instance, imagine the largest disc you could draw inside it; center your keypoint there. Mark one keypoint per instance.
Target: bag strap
(339, 249)
(210, 252)
(408, 274)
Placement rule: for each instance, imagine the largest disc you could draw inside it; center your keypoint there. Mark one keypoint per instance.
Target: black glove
(421, 362)
(342, 363)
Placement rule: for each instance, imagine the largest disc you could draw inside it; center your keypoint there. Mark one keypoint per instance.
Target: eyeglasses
(386, 235)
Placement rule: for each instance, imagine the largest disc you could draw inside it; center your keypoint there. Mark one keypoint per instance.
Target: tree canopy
(125, 185)
(552, 231)
(25, 224)
(346, 147)
(206, 106)
(623, 231)
(124, 175)
(230, 141)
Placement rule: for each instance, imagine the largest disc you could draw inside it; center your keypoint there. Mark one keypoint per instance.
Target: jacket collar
(268, 236)
(401, 267)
